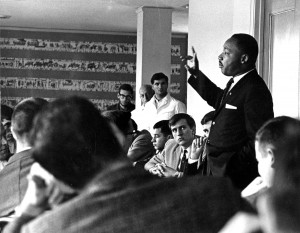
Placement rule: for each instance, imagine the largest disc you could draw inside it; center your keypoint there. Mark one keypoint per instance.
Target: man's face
(143, 96)
(264, 160)
(125, 97)
(160, 87)
(206, 128)
(159, 139)
(182, 133)
(230, 59)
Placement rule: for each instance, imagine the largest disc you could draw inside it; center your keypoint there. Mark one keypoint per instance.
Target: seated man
(162, 133)
(180, 155)
(13, 178)
(75, 146)
(270, 145)
(276, 191)
(125, 96)
(137, 144)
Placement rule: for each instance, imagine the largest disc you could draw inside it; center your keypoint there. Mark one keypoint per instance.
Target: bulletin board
(59, 64)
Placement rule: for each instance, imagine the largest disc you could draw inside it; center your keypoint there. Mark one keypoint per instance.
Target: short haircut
(208, 117)
(159, 76)
(164, 127)
(149, 91)
(179, 116)
(6, 112)
(72, 141)
(247, 44)
(120, 118)
(24, 114)
(126, 87)
(283, 134)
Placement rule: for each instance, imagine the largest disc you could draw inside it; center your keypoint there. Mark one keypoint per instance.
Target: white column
(154, 27)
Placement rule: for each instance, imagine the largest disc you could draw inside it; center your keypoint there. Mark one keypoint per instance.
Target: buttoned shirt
(161, 110)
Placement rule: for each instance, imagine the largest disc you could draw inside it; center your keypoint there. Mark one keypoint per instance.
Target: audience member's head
(23, 118)
(160, 84)
(73, 142)
(125, 94)
(124, 123)
(277, 146)
(183, 128)
(162, 133)
(206, 122)
(146, 93)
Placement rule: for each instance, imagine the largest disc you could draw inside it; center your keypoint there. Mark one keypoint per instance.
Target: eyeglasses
(125, 96)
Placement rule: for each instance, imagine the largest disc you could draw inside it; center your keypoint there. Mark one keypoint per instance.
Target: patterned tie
(183, 163)
(228, 85)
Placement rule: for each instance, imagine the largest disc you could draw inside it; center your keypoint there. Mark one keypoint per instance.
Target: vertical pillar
(154, 27)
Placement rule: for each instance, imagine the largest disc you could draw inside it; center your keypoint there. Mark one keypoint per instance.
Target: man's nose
(220, 57)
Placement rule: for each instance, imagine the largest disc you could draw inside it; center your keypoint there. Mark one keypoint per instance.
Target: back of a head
(164, 127)
(119, 118)
(23, 116)
(179, 116)
(159, 76)
(283, 135)
(248, 45)
(73, 141)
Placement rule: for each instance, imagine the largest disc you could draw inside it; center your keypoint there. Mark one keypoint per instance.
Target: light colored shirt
(237, 78)
(160, 110)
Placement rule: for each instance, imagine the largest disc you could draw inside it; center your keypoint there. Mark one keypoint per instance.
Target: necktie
(183, 163)
(228, 85)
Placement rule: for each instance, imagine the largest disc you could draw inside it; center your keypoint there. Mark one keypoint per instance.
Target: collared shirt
(188, 154)
(238, 78)
(161, 110)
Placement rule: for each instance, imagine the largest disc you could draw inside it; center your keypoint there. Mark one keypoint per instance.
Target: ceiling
(86, 15)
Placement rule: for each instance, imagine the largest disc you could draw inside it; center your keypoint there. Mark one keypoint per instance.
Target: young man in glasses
(125, 96)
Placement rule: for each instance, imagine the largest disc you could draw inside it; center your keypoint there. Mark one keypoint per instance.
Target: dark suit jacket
(129, 200)
(141, 147)
(230, 145)
(129, 107)
(13, 181)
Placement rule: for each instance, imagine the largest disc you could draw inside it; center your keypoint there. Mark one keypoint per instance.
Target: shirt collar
(238, 78)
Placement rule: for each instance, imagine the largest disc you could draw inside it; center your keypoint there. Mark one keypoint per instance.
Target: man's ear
(169, 136)
(270, 155)
(244, 58)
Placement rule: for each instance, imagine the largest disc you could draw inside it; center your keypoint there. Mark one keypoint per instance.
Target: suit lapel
(235, 88)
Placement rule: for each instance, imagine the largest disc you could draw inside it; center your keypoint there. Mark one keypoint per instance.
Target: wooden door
(281, 55)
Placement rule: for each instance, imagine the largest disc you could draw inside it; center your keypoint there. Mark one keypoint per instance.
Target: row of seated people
(82, 178)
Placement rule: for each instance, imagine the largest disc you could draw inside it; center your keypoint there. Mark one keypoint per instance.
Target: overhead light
(5, 16)
(186, 6)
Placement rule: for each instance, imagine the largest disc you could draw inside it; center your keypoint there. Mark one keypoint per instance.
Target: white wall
(211, 23)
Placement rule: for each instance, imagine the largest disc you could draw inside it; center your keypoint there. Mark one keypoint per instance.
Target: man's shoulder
(113, 107)
(171, 143)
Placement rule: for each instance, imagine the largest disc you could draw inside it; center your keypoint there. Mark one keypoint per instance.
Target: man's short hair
(207, 117)
(283, 135)
(164, 127)
(120, 118)
(179, 116)
(23, 116)
(72, 141)
(247, 44)
(126, 87)
(159, 76)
